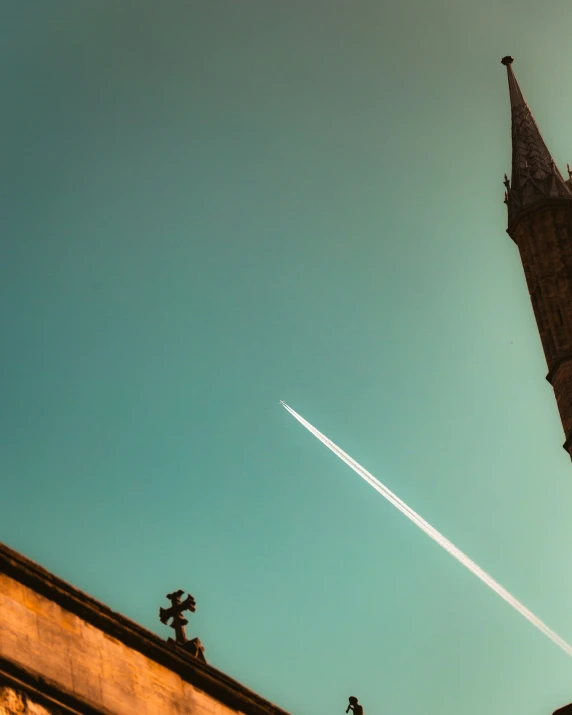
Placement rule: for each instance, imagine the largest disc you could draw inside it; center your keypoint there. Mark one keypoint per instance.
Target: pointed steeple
(535, 176)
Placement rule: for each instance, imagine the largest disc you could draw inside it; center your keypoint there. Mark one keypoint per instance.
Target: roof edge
(202, 675)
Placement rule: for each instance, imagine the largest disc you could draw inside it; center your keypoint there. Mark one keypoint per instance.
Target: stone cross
(176, 613)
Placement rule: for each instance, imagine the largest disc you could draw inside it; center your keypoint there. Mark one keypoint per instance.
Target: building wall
(13, 702)
(544, 238)
(42, 637)
(63, 652)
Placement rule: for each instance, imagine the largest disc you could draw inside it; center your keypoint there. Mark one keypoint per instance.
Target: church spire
(535, 176)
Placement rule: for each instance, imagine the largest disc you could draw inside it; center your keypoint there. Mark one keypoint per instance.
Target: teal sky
(206, 207)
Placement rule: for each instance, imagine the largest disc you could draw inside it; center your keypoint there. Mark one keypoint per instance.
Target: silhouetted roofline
(200, 674)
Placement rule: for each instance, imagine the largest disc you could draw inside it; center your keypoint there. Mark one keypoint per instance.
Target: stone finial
(354, 706)
(193, 647)
(176, 613)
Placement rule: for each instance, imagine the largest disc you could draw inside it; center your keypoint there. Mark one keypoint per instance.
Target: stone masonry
(63, 652)
(539, 205)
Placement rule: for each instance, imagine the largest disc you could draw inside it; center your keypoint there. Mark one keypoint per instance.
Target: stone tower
(539, 203)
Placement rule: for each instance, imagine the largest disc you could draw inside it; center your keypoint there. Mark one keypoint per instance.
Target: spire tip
(508, 60)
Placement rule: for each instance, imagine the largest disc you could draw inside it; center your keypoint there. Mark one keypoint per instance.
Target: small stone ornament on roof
(354, 706)
(178, 623)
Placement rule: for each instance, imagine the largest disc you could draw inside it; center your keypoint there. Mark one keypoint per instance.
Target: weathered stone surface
(544, 239)
(95, 667)
(68, 649)
(540, 223)
(13, 702)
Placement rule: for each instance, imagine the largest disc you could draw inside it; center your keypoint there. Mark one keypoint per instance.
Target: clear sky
(206, 207)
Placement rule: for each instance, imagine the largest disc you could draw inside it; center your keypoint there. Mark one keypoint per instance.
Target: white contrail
(434, 534)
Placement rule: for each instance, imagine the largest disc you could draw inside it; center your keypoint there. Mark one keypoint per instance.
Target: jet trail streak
(434, 534)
